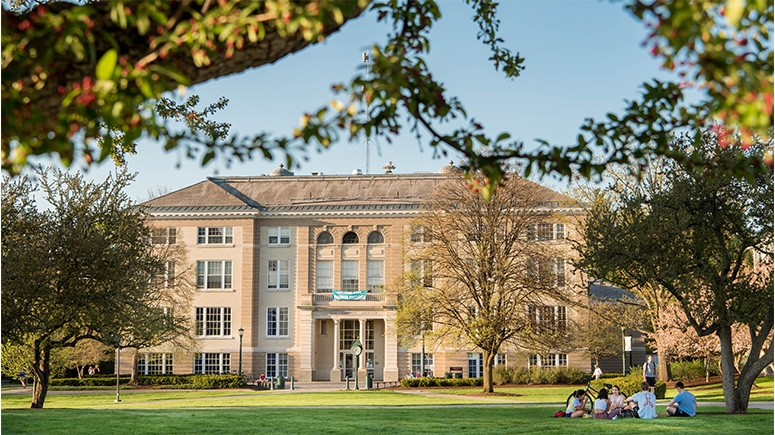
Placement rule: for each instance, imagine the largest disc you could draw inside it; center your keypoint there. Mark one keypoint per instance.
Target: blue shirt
(686, 402)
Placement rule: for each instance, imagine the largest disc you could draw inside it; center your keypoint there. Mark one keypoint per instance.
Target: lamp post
(117, 339)
(628, 347)
(241, 333)
(624, 361)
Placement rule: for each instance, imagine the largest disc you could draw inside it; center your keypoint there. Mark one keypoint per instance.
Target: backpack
(629, 413)
(559, 414)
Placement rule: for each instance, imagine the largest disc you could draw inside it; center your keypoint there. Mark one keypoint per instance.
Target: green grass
(339, 420)
(453, 410)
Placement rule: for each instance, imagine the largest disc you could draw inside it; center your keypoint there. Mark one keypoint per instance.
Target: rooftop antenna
(365, 58)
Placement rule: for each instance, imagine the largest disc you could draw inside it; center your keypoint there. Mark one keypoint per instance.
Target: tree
(80, 269)
(600, 333)
(699, 236)
(646, 308)
(487, 269)
(85, 353)
(113, 61)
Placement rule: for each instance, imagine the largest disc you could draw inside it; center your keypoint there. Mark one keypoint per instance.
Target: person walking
(650, 372)
(683, 404)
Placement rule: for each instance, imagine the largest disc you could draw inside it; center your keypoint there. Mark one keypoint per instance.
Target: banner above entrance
(339, 295)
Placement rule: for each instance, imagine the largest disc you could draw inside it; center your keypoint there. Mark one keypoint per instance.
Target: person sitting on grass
(602, 404)
(683, 404)
(645, 401)
(576, 406)
(617, 399)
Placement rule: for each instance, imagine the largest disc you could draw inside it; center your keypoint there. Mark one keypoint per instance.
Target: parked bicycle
(590, 393)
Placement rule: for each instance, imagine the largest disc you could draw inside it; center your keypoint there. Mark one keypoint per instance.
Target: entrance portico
(333, 332)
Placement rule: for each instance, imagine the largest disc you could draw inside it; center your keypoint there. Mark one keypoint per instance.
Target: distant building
(301, 264)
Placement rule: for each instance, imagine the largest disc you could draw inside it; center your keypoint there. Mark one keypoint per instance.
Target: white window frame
(324, 276)
(212, 363)
(375, 276)
(545, 231)
(279, 236)
(422, 272)
(164, 236)
(212, 321)
(276, 365)
(166, 277)
(204, 273)
(278, 274)
(215, 235)
(145, 359)
(277, 322)
(350, 275)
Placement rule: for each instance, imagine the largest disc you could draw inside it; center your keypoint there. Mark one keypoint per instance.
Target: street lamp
(624, 346)
(117, 338)
(241, 333)
(628, 346)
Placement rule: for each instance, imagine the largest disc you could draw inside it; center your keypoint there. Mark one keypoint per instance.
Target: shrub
(163, 381)
(630, 385)
(90, 381)
(690, 370)
(441, 382)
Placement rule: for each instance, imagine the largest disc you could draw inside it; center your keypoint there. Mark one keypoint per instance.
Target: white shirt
(647, 404)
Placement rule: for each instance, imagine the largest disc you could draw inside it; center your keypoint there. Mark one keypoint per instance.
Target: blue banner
(339, 295)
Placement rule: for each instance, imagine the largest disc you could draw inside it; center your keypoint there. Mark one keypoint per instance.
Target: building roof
(285, 194)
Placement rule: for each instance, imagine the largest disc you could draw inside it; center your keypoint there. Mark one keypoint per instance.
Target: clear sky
(583, 59)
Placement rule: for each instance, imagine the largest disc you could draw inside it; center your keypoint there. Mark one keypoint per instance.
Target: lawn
(377, 412)
(339, 420)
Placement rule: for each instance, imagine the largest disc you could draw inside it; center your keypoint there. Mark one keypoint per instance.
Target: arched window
(325, 238)
(349, 238)
(376, 237)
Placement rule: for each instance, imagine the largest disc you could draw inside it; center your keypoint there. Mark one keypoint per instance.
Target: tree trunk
(735, 397)
(133, 377)
(41, 367)
(487, 380)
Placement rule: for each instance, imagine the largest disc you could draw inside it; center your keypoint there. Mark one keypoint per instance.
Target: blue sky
(583, 59)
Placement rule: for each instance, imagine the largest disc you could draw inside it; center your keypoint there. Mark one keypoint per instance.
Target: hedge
(518, 375)
(196, 382)
(630, 385)
(441, 382)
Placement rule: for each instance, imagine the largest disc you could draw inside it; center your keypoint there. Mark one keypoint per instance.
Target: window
(548, 361)
(499, 360)
(325, 238)
(375, 276)
(278, 276)
(349, 238)
(422, 273)
(559, 271)
(376, 237)
(213, 321)
(547, 272)
(213, 274)
(154, 364)
(277, 365)
(417, 367)
(548, 319)
(212, 363)
(324, 283)
(166, 276)
(277, 322)
(420, 235)
(279, 236)
(164, 236)
(349, 275)
(214, 235)
(545, 231)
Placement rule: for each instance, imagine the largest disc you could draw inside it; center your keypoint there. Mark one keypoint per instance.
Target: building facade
(291, 270)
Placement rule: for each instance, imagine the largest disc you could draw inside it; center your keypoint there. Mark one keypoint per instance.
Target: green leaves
(107, 65)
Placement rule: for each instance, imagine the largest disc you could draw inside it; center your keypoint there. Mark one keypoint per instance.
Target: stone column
(336, 371)
(362, 370)
(391, 352)
(306, 343)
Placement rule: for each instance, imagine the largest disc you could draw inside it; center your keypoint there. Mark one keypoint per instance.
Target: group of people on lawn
(639, 405)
